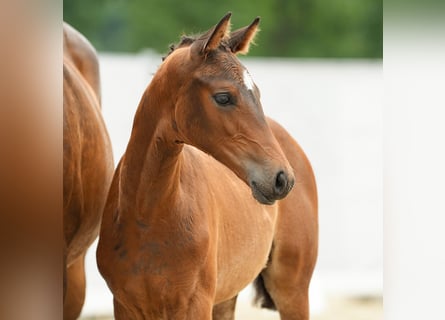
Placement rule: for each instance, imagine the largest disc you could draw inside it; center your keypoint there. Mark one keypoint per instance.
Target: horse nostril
(281, 183)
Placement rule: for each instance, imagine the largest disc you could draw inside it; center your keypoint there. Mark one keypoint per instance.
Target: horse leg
(285, 281)
(225, 310)
(284, 287)
(75, 289)
(121, 313)
(290, 298)
(181, 311)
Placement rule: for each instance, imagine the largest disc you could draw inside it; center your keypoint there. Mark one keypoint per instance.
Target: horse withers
(209, 195)
(87, 163)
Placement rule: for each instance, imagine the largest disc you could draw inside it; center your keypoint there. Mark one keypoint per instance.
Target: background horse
(87, 162)
(201, 203)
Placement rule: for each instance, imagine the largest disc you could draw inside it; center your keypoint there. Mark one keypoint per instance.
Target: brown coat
(202, 202)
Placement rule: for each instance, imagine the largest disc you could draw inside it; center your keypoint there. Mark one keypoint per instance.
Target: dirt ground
(344, 308)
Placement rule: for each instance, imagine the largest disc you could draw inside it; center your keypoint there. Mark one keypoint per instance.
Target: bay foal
(87, 163)
(192, 216)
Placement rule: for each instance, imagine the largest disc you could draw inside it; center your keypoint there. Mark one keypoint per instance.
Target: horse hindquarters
(87, 162)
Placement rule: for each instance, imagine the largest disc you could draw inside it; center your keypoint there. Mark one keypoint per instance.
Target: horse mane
(185, 41)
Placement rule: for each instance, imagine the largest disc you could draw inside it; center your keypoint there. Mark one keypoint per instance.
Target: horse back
(81, 53)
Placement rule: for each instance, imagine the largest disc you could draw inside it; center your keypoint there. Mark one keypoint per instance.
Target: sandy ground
(344, 308)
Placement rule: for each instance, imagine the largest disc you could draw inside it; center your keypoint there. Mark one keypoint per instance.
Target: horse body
(87, 163)
(191, 216)
(193, 224)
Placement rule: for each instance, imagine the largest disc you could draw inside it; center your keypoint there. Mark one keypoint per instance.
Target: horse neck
(151, 164)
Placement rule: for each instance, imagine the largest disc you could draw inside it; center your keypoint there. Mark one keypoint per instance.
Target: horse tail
(262, 297)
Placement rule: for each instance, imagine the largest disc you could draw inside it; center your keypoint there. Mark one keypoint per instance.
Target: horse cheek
(193, 121)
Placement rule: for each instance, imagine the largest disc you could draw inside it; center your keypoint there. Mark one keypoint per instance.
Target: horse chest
(244, 247)
(165, 246)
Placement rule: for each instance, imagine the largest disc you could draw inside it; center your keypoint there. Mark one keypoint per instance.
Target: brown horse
(87, 163)
(181, 233)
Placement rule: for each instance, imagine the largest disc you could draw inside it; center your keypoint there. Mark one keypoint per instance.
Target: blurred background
(318, 66)
(290, 28)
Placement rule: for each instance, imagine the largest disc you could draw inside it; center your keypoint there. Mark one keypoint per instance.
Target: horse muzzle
(277, 188)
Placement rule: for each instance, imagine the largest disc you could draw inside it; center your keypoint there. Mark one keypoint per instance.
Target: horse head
(217, 108)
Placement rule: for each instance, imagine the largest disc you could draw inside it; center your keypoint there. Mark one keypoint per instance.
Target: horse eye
(223, 99)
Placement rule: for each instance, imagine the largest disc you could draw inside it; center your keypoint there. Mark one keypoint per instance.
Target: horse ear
(241, 39)
(219, 32)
